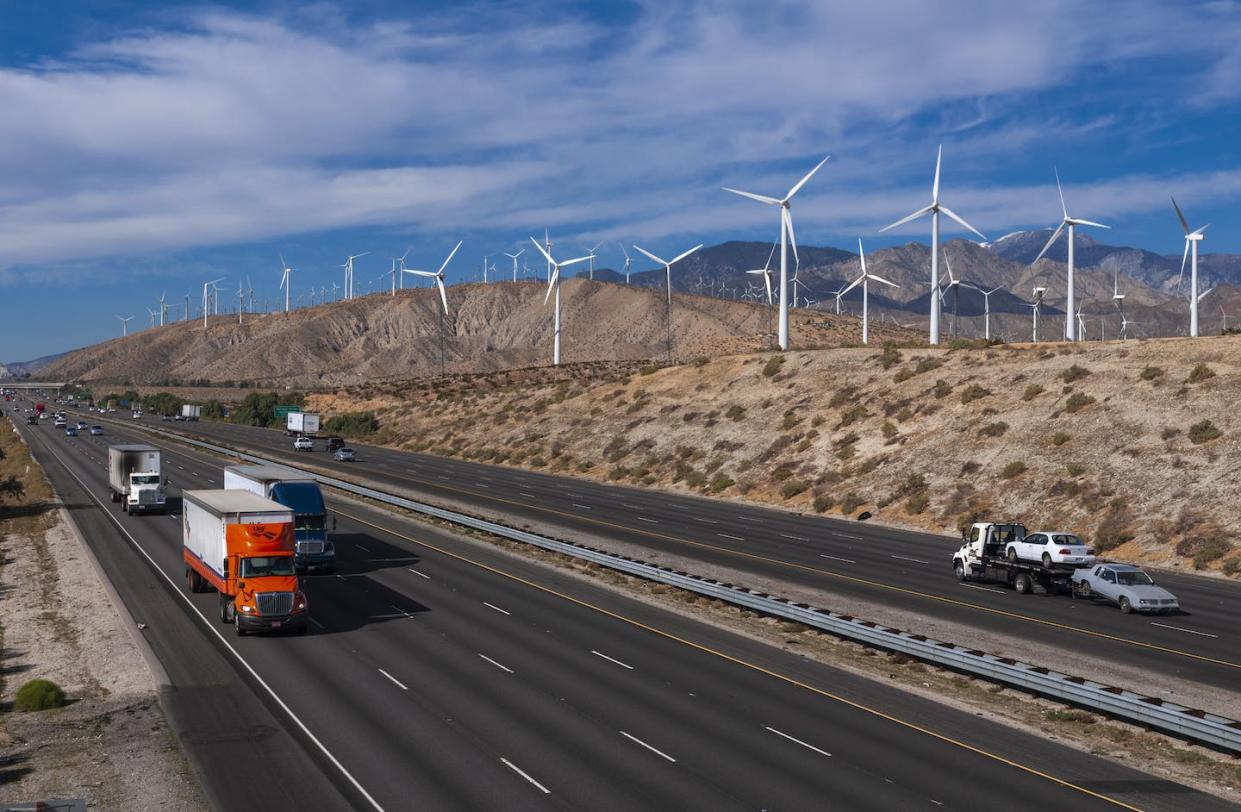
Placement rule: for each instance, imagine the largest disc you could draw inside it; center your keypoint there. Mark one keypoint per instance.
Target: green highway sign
(285, 411)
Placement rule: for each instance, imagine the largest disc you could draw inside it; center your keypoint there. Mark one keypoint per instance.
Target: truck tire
(1023, 584)
(1012, 556)
(225, 615)
(959, 569)
(189, 580)
(1125, 606)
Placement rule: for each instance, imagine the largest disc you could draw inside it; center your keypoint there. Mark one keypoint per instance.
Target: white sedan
(1054, 547)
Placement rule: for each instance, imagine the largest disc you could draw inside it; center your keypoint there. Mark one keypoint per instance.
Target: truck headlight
(246, 609)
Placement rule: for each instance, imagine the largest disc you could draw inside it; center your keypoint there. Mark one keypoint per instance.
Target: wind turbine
(591, 266)
(153, 315)
(766, 272)
(553, 283)
(668, 275)
(1038, 301)
(1192, 238)
(1081, 322)
(986, 306)
(863, 280)
(1071, 223)
(954, 285)
(628, 261)
(1221, 312)
(207, 286)
(163, 309)
(241, 301)
(934, 210)
(840, 292)
(284, 281)
(438, 276)
(786, 236)
(187, 306)
(125, 324)
(514, 258)
(348, 266)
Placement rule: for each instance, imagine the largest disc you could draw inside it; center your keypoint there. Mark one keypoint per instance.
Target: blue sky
(147, 149)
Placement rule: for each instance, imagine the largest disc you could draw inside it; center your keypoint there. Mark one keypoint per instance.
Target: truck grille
(310, 547)
(147, 497)
(274, 603)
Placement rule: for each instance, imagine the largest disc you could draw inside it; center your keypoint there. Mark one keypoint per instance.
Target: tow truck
(981, 558)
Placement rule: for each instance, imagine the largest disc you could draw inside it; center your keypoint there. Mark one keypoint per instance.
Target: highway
(907, 570)
(442, 673)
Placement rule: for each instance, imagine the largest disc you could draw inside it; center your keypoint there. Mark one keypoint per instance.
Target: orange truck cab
(242, 545)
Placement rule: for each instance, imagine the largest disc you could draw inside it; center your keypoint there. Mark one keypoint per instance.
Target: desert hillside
(490, 327)
(1132, 444)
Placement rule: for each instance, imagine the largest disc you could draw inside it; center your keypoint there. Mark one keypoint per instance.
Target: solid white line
(399, 684)
(360, 547)
(644, 519)
(402, 611)
(1180, 629)
(423, 574)
(498, 609)
(837, 558)
(907, 558)
(583, 507)
(985, 588)
(660, 753)
(798, 538)
(524, 775)
(611, 659)
(527, 495)
(726, 536)
(497, 665)
(223, 640)
(481, 485)
(799, 741)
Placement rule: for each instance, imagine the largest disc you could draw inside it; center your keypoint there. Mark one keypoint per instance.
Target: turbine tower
(1071, 224)
(786, 236)
(284, 282)
(348, 266)
(207, 288)
(125, 324)
(514, 258)
(668, 274)
(628, 261)
(986, 306)
(863, 280)
(934, 210)
(1038, 301)
(1192, 238)
(553, 283)
(438, 276)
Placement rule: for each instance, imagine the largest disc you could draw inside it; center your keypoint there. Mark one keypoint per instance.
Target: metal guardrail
(1190, 723)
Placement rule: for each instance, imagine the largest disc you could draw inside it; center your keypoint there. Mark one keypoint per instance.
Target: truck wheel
(189, 580)
(1125, 606)
(959, 569)
(240, 631)
(225, 615)
(1012, 555)
(1023, 584)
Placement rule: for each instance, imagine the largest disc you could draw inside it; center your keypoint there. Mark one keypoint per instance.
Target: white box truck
(301, 423)
(134, 478)
(191, 411)
(300, 493)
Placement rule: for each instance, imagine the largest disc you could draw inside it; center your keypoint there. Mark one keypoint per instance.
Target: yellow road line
(744, 663)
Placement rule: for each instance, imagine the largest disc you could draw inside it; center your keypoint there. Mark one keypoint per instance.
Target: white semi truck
(135, 479)
(301, 423)
(315, 552)
(191, 411)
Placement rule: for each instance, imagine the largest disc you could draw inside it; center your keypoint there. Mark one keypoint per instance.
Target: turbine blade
(1201, 230)
(575, 261)
(957, 217)
(852, 285)
(687, 253)
(1181, 275)
(1077, 222)
(451, 254)
(767, 281)
(939, 156)
(881, 279)
(543, 251)
(551, 283)
(788, 224)
(1055, 236)
(1060, 189)
(920, 212)
(948, 265)
(623, 250)
(443, 295)
(797, 186)
(771, 201)
(652, 256)
(1181, 216)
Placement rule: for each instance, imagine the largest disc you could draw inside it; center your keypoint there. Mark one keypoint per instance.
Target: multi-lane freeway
(444, 673)
(907, 570)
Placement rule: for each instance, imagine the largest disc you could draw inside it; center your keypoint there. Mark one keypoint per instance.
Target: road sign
(285, 411)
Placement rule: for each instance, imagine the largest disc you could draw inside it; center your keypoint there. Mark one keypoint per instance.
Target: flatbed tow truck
(981, 558)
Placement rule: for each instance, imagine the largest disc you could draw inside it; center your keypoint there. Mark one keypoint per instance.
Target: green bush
(1203, 432)
(1075, 469)
(1033, 391)
(793, 487)
(903, 374)
(721, 481)
(353, 424)
(851, 502)
(917, 503)
(890, 356)
(1200, 373)
(942, 389)
(1113, 531)
(1060, 438)
(1077, 401)
(772, 367)
(735, 412)
(993, 429)
(259, 408)
(1074, 373)
(649, 369)
(889, 429)
(1014, 469)
(927, 364)
(823, 502)
(972, 393)
(37, 695)
(853, 415)
(162, 403)
(1150, 373)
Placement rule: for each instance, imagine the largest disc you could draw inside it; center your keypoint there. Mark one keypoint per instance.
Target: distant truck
(191, 411)
(241, 544)
(134, 478)
(315, 552)
(301, 423)
(982, 557)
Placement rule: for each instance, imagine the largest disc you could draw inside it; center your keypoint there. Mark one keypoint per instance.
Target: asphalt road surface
(441, 673)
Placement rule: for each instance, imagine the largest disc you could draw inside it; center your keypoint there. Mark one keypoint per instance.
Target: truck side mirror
(241, 584)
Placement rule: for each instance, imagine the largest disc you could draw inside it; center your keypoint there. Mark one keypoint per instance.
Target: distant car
(178, 417)
(334, 443)
(303, 444)
(71, 432)
(167, 418)
(1054, 547)
(96, 430)
(344, 455)
(137, 415)
(1126, 586)
(81, 425)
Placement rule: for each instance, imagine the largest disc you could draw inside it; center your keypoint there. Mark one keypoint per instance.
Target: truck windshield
(145, 479)
(266, 565)
(303, 498)
(1005, 533)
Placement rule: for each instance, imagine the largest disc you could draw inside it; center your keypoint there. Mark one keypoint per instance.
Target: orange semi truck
(241, 545)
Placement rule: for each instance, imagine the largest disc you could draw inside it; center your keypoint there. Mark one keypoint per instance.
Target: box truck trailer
(241, 544)
(315, 552)
(134, 478)
(301, 423)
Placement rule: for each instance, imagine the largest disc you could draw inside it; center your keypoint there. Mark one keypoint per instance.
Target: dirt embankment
(1131, 444)
(109, 743)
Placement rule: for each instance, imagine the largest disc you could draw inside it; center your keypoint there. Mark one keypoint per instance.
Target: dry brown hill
(490, 327)
(1132, 444)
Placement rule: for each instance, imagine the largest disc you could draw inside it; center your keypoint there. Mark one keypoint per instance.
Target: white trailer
(191, 411)
(301, 423)
(134, 478)
(299, 492)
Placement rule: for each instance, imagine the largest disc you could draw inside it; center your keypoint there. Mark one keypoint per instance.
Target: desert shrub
(853, 415)
(735, 412)
(721, 481)
(903, 374)
(695, 478)
(1032, 391)
(1113, 531)
(942, 389)
(972, 393)
(259, 408)
(782, 472)
(1203, 432)
(1074, 373)
(970, 467)
(1151, 373)
(818, 420)
(1200, 373)
(1203, 549)
(914, 483)
(993, 429)
(1232, 566)
(37, 695)
(917, 503)
(352, 424)
(1060, 438)
(843, 395)
(1014, 469)
(793, 487)
(772, 367)
(1075, 469)
(1077, 401)
(790, 420)
(618, 473)
(851, 502)
(823, 502)
(890, 356)
(927, 364)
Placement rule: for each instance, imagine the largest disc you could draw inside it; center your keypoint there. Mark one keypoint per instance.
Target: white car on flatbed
(1050, 548)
